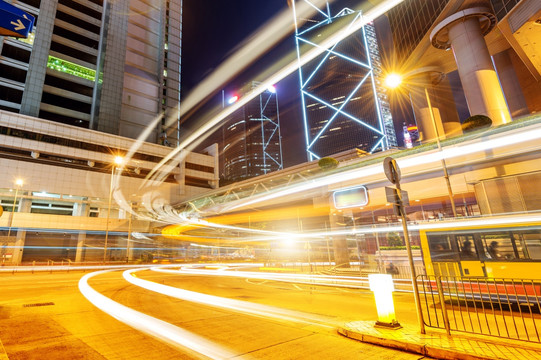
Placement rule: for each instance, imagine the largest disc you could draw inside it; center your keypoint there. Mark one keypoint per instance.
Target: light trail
(459, 150)
(501, 220)
(286, 70)
(243, 307)
(171, 334)
(309, 279)
(256, 46)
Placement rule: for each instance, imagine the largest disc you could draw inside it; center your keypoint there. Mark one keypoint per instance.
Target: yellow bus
(490, 247)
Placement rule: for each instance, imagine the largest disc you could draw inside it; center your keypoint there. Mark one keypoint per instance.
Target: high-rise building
(502, 80)
(344, 103)
(111, 66)
(252, 143)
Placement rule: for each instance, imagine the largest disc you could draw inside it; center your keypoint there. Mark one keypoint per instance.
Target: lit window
(71, 68)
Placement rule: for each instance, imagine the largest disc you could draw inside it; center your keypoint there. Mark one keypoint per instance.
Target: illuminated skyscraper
(252, 141)
(111, 66)
(344, 104)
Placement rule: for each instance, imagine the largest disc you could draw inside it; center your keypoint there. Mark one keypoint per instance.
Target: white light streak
(243, 307)
(149, 325)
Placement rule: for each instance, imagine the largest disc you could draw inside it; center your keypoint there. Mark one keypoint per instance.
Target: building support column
(464, 32)
(339, 242)
(429, 129)
(80, 209)
(25, 205)
(510, 84)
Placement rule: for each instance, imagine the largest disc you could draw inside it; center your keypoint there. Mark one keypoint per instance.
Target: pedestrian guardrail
(506, 308)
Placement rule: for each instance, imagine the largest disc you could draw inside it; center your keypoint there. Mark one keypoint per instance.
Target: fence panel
(507, 308)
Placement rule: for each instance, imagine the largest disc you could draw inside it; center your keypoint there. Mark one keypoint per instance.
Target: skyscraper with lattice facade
(251, 138)
(344, 104)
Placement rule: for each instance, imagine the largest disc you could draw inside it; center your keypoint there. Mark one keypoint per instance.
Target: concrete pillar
(18, 249)
(339, 242)
(438, 92)
(464, 32)
(129, 242)
(444, 101)
(427, 127)
(510, 84)
(37, 68)
(24, 206)
(80, 209)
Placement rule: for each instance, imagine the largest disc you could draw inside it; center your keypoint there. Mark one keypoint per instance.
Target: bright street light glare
(19, 182)
(272, 89)
(119, 160)
(393, 80)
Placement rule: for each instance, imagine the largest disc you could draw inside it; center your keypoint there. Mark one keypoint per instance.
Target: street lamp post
(118, 161)
(444, 165)
(393, 81)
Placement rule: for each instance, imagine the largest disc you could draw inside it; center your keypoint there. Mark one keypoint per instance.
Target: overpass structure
(491, 172)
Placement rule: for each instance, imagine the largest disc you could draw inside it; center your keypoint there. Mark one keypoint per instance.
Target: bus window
(466, 247)
(502, 246)
(440, 247)
(532, 242)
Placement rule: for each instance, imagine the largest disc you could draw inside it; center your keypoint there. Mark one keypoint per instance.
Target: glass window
(466, 247)
(440, 247)
(502, 246)
(531, 241)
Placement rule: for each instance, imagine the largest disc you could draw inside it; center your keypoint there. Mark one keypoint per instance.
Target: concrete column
(24, 206)
(80, 209)
(37, 68)
(339, 242)
(129, 244)
(510, 84)
(427, 131)
(464, 32)
(444, 101)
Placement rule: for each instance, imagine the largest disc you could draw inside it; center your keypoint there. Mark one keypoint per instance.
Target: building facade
(252, 143)
(344, 103)
(63, 195)
(111, 66)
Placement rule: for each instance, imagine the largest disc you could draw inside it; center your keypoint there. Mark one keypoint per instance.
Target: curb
(425, 350)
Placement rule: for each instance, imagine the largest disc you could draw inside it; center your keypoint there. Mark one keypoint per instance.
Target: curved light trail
(243, 307)
(149, 325)
(254, 48)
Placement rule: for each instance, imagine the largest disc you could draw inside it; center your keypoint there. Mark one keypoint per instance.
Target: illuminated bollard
(382, 286)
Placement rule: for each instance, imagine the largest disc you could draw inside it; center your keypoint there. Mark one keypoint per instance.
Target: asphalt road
(45, 316)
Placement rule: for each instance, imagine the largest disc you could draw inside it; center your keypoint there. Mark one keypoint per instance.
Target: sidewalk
(436, 344)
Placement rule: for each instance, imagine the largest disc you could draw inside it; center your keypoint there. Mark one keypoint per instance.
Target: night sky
(212, 30)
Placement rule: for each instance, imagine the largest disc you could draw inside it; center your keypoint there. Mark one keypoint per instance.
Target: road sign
(391, 169)
(14, 21)
(398, 197)
(352, 197)
(1, 210)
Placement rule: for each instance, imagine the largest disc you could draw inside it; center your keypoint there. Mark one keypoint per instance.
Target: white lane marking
(149, 325)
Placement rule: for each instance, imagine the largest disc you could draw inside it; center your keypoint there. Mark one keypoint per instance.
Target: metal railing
(506, 308)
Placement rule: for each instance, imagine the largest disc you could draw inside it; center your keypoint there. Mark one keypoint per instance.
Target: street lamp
(394, 80)
(117, 161)
(19, 183)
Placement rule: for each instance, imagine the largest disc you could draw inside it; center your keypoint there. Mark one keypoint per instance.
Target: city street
(46, 314)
